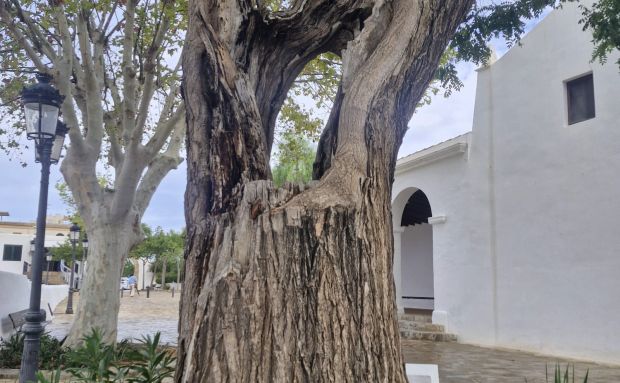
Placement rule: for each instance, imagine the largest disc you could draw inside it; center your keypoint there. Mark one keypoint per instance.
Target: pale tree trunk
(100, 296)
(295, 284)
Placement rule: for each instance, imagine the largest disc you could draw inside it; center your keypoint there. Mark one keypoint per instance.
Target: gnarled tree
(295, 283)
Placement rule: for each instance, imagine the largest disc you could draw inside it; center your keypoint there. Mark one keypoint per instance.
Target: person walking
(133, 285)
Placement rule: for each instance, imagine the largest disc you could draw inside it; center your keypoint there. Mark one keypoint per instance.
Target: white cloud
(444, 118)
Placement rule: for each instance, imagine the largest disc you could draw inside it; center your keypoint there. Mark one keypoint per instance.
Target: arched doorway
(416, 252)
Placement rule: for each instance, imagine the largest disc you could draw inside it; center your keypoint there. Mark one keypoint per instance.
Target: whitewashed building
(510, 234)
(15, 238)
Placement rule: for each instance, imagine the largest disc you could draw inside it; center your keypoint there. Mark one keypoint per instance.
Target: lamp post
(41, 103)
(74, 236)
(84, 255)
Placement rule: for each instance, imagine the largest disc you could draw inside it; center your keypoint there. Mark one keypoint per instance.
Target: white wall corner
(440, 317)
(437, 219)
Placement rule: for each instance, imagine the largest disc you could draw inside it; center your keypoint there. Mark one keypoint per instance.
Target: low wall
(15, 296)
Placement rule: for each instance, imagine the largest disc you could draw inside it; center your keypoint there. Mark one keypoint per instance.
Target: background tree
(162, 249)
(114, 63)
(603, 19)
(296, 283)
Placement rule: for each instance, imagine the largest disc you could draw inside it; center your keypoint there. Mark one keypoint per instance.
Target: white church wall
(462, 277)
(553, 238)
(527, 256)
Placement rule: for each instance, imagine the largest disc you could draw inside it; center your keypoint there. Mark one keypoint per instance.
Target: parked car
(124, 283)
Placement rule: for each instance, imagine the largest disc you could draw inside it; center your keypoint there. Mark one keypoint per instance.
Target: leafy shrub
(96, 361)
(559, 377)
(51, 354)
(566, 377)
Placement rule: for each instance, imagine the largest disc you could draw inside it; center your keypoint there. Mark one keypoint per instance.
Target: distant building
(15, 238)
(510, 233)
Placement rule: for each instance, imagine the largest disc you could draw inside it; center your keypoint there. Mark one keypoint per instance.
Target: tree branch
(94, 109)
(164, 128)
(65, 67)
(150, 65)
(21, 39)
(35, 35)
(129, 73)
(160, 167)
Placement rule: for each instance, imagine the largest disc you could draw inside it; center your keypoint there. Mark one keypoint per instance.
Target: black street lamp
(84, 255)
(41, 103)
(74, 236)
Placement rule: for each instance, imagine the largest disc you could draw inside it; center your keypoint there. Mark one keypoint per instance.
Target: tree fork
(295, 284)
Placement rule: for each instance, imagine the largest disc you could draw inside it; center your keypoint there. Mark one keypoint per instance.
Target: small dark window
(12, 253)
(580, 98)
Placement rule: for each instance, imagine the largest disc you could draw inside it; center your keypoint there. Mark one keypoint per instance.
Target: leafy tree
(128, 268)
(296, 282)
(603, 19)
(116, 64)
(295, 159)
(160, 248)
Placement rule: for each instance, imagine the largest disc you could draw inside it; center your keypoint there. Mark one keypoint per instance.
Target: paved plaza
(457, 362)
(138, 316)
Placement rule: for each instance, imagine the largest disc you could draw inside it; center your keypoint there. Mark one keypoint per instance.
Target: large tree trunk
(295, 284)
(99, 302)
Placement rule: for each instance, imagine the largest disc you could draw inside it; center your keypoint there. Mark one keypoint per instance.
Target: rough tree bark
(295, 284)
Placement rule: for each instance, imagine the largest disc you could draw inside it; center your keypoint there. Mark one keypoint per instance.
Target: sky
(443, 119)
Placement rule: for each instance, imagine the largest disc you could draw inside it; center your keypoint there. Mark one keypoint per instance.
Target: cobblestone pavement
(458, 363)
(138, 316)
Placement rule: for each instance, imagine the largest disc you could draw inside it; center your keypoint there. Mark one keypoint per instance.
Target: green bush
(96, 361)
(563, 377)
(559, 377)
(51, 355)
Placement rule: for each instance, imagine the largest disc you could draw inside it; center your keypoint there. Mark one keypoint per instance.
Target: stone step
(55, 277)
(418, 326)
(415, 318)
(434, 336)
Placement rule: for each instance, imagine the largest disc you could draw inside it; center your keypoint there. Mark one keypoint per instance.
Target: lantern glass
(59, 142)
(74, 232)
(85, 243)
(49, 119)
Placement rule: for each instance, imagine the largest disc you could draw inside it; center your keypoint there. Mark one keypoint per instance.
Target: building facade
(509, 233)
(15, 238)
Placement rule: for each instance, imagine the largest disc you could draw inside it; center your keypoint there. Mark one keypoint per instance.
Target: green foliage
(563, 377)
(41, 32)
(559, 377)
(603, 19)
(159, 245)
(151, 363)
(64, 251)
(296, 157)
(128, 268)
(96, 361)
(52, 352)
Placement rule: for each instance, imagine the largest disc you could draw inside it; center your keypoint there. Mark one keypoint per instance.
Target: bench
(19, 318)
